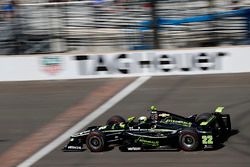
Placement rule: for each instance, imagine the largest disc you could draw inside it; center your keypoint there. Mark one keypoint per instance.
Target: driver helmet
(142, 119)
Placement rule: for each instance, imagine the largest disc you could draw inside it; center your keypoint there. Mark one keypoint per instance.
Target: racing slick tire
(115, 120)
(188, 140)
(202, 117)
(95, 141)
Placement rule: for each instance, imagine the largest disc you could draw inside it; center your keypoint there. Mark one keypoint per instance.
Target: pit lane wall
(133, 63)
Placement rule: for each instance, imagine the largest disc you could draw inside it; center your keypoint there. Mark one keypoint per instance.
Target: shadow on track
(4, 140)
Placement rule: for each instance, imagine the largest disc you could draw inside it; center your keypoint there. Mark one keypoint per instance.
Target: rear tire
(95, 141)
(188, 140)
(115, 120)
(202, 117)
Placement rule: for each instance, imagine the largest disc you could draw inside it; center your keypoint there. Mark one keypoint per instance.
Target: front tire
(188, 140)
(95, 141)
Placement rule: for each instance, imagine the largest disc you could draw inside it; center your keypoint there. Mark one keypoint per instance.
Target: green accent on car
(207, 139)
(153, 108)
(130, 119)
(122, 125)
(219, 109)
(204, 123)
(113, 126)
(182, 123)
(147, 142)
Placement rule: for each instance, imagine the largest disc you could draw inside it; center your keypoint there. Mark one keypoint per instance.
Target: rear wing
(213, 117)
(219, 109)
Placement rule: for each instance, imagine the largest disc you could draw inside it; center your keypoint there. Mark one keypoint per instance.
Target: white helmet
(142, 119)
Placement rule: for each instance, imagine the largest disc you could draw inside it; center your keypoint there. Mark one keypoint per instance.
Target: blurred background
(53, 26)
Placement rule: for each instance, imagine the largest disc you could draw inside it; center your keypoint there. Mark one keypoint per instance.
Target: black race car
(160, 131)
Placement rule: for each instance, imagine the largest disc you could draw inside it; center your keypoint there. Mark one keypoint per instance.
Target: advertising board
(124, 64)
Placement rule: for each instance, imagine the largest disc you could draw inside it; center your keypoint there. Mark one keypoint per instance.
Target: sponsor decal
(147, 142)
(134, 148)
(164, 115)
(51, 64)
(177, 122)
(149, 62)
(75, 147)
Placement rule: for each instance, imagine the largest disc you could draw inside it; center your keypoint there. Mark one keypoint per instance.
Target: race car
(160, 131)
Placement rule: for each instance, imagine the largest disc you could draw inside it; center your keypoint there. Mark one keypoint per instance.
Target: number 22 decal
(207, 139)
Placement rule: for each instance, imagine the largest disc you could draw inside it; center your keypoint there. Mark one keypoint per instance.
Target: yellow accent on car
(130, 119)
(203, 123)
(219, 109)
(122, 125)
(153, 108)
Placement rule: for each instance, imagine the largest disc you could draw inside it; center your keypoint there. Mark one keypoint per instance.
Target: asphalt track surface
(24, 107)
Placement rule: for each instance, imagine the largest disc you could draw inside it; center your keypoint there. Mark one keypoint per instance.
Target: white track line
(84, 122)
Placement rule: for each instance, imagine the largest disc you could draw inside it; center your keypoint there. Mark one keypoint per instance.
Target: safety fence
(118, 25)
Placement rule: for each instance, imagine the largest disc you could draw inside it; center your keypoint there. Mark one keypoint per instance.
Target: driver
(143, 122)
